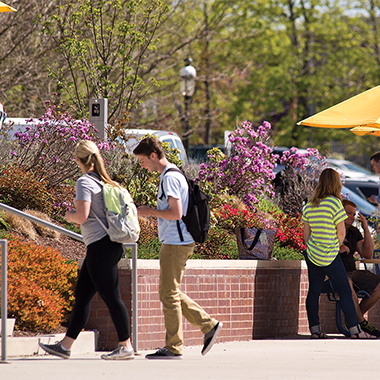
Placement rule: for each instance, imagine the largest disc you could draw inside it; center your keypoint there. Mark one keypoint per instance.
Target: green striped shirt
(323, 244)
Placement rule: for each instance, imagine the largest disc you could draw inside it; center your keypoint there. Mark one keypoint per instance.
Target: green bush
(286, 253)
(220, 245)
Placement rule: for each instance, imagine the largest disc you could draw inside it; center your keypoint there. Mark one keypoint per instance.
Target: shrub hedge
(40, 285)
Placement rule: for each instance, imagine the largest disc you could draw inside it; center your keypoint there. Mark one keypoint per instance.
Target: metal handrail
(4, 304)
(75, 236)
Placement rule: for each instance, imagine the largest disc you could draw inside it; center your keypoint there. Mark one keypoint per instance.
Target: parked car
(133, 137)
(363, 188)
(16, 124)
(350, 169)
(198, 153)
(364, 207)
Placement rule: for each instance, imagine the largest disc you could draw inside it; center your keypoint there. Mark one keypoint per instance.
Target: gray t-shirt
(89, 190)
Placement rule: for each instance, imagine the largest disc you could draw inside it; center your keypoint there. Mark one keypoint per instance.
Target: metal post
(133, 246)
(187, 123)
(4, 303)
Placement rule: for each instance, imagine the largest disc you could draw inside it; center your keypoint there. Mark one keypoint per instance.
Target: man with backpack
(172, 203)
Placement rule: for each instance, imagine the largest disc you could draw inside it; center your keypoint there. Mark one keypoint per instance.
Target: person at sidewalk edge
(359, 279)
(99, 272)
(174, 253)
(324, 232)
(375, 163)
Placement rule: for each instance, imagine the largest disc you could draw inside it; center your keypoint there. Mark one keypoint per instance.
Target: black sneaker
(163, 353)
(366, 327)
(56, 349)
(210, 338)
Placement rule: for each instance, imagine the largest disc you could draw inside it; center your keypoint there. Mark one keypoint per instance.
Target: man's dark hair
(148, 146)
(375, 157)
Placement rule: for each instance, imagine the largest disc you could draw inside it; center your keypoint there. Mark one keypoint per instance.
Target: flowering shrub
(22, 190)
(40, 285)
(47, 148)
(248, 171)
(296, 183)
(290, 231)
(230, 218)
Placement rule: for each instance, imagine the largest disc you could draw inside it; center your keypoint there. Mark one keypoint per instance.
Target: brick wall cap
(230, 264)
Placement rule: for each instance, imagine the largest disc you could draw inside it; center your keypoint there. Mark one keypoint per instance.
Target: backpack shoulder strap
(162, 182)
(94, 178)
(163, 195)
(92, 211)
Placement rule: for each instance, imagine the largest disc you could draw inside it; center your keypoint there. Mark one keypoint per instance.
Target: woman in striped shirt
(324, 232)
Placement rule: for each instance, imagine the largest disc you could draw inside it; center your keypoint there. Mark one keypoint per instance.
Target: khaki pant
(176, 304)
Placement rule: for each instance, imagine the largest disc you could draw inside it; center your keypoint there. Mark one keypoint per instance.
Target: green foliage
(69, 226)
(22, 190)
(286, 253)
(3, 224)
(149, 250)
(142, 185)
(40, 284)
(105, 44)
(148, 244)
(269, 207)
(220, 245)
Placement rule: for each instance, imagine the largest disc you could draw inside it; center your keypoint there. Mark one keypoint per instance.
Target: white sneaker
(121, 353)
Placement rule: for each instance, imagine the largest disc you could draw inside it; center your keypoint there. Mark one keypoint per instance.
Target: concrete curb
(18, 347)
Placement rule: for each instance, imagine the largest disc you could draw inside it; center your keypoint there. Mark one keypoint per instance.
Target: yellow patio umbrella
(6, 8)
(363, 131)
(362, 110)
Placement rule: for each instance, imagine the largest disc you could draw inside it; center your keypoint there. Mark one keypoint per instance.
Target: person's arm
(375, 198)
(365, 247)
(80, 215)
(174, 212)
(306, 232)
(341, 232)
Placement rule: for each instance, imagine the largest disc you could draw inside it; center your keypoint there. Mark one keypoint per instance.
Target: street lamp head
(188, 75)
(188, 61)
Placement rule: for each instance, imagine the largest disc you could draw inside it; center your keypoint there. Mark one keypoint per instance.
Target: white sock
(63, 348)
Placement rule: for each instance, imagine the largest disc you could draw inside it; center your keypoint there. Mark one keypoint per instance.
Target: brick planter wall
(254, 299)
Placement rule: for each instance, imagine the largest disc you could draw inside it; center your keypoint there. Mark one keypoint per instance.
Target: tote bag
(254, 243)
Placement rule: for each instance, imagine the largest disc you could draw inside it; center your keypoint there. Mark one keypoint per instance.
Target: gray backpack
(121, 214)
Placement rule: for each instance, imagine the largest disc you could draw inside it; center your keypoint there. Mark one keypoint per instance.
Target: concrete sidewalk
(299, 358)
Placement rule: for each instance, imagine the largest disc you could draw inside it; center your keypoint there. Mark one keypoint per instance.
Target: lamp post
(187, 74)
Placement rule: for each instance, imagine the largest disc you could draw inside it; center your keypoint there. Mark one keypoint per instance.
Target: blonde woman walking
(99, 272)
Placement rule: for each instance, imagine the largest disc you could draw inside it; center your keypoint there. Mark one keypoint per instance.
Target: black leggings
(99, 273)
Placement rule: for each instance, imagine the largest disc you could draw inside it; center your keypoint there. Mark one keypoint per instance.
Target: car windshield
(357, 168)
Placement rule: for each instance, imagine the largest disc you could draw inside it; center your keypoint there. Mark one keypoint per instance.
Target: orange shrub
(40, 285)
(22, 190)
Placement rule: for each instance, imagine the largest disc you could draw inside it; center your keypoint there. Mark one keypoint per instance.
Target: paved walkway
(277, 359)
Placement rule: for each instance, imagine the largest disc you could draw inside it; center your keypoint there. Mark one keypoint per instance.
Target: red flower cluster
(230, 218)
(290, 231)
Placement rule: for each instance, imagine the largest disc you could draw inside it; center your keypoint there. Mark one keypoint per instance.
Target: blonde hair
(329, 184)
(88, 154)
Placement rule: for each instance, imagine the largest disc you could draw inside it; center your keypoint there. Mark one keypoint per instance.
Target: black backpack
(197, 219)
